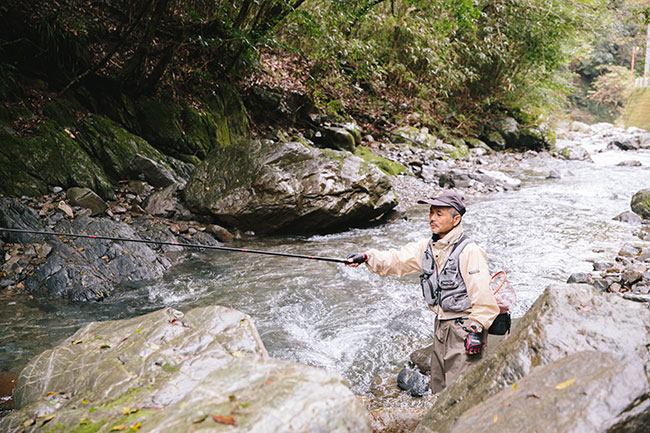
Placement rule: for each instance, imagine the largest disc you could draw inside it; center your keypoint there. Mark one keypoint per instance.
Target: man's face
(441, 221)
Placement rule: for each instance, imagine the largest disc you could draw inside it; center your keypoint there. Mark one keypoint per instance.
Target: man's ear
(457, 220)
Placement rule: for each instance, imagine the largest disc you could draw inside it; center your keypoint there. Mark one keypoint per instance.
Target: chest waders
(446, 287)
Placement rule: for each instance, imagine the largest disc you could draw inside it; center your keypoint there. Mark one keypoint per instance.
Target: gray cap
(447, 198)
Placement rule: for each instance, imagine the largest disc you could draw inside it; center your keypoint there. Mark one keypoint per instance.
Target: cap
(447, 198)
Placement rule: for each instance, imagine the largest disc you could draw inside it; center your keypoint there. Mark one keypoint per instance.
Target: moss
(389, 167)
(91, 427)
(169, 368)
(61, 111)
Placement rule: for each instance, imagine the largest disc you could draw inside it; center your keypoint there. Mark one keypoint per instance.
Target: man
(455, 283)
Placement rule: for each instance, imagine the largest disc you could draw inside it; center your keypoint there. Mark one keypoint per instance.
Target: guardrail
(642, 82)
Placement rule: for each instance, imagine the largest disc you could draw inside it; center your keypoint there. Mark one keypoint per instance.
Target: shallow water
(351, 321)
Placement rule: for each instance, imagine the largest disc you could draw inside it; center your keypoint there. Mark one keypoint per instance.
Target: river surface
(353, 322)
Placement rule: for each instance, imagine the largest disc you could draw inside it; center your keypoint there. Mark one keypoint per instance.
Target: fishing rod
(176, 244)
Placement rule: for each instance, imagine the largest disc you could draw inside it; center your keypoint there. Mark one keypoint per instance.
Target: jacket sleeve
(406, 260)
(476, 275)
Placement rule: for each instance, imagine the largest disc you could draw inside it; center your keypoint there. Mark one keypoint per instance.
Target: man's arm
(406, 260)
(476, 275)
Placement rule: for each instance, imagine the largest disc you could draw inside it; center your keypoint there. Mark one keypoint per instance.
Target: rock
(637, 297)
(538, 138)
(395, 419)
(422, 358)
(584, 392)
(455, 179)
(632, 274)
(501, 178)
(509, 129)
(629, 251)
(614, 288)
(220, 233)
(644, 141)
(580, 127)
(57, 189)
(575, 153)
(189, 367)
(580, 278)
(564, 321)
(601, 284)
(139, 187)
(632, 163)
(598, 266)
(554, 174)
(87, 198)
(413, 382)
(338, 138)
(641, 203)
(495, 140)
(288, 187)
(475, 143)
(624, 142)
(163, 202)
(628, 217)
(153, 172)
(66, 209)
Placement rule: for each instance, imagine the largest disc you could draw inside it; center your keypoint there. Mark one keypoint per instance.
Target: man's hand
(473, 341)
(356, 259)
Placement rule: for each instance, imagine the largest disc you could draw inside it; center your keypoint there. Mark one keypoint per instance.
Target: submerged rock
(641, 203)
(564, 321)
(174, 372)
(272, 187)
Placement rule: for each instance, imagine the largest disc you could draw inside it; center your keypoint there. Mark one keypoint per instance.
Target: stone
(288, 187)
(601, 284)
(567, 334)
(7, 385)
(176, 371)
(66, 209)
(85, 197)
(422, 358)
(413, 382)
(637, 297)
(162, 202)
(580, 278)
(57, 189)
(153, 172)
(632, 163)
(584, 392)
(395, 419)
(495, 140)
(599, 266)
(631, 275)
(575, 153)
(628, 217)
(554, 174)
(614, 288)
(641, 203)
(509, 129)
(501, 178)
(220, 233)
(629, 251)
(580, 127)
(624, 142)
(338, 138)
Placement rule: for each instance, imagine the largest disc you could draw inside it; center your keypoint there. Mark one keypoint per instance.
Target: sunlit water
(348, 320)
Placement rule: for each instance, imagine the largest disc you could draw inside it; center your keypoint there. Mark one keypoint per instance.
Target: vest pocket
(456, 303)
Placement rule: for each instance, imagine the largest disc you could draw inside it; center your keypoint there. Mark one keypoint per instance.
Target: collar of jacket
(450, 238)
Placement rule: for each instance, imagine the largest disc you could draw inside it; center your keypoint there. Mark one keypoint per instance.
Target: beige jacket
(473, 268)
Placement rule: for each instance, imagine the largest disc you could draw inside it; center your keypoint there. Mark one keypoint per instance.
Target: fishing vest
(445, 288)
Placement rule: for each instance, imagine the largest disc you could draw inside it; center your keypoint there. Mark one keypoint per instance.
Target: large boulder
(270, 187)
(84, 269)
(205, 370)
(641, 203)
(565, 320)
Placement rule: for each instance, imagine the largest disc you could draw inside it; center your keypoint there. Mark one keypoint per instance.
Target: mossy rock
(52, 156)
(389, 167)
(641, 203)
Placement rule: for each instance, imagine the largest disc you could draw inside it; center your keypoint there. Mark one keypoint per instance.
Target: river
(351, 321)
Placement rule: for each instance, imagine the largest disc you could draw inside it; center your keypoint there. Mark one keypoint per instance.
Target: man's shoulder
(473, 248)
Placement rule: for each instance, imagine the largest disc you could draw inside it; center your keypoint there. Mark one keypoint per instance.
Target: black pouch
(501, 325)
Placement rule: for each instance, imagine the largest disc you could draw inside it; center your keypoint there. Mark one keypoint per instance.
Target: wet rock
(580, 278)
(220, 233)
(641, 203)
(162, 202)
(629, 251)
(273, 187)
(500, 178)
(7, 385)
(584, 392)
(554, 174)
(575, 153)
(564, 321)
(395, 419)
(633, 163)
(599, 266)
(338, 138)
(625, 142)
(628, 217)
(413, 382)
(601, 284)
(85, 197)
(209, 361)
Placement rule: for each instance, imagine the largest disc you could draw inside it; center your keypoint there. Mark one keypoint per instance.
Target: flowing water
(353, 322)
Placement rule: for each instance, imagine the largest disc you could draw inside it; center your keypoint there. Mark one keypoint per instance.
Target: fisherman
(455, 283)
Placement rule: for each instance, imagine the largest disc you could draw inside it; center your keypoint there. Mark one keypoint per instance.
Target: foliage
(612, 88)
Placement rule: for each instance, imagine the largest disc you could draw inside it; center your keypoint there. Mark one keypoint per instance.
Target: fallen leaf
(224, 419)
(138, 330)
(124, 339)
(565, 384)
(85, 421)
(199, 419)
(84, 401)
(77, 342)
(268, 382)
(533, 395)
(104, 346)
(51, 393)
(514, 386)
(238, 354)
(48, 418)
(118, 427)
(129, 410)
(136, 426)
(29, 422)
(495, 417)
(585, 307)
